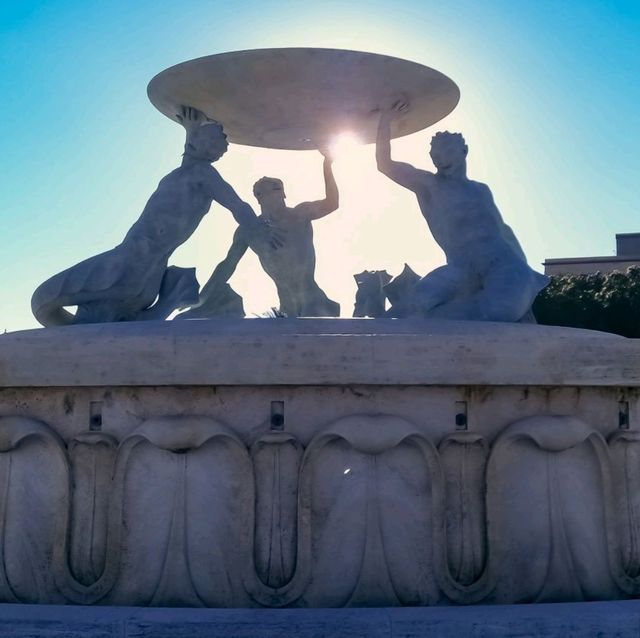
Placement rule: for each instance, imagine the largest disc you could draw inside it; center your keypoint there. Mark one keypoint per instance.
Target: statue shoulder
(428, 177)
(206, 174)
(428, 180)
(482, 189)
(480, 185)
(205, 169)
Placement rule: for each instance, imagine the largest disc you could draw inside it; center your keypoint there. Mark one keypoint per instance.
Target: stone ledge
(316, 352)
(566, 620)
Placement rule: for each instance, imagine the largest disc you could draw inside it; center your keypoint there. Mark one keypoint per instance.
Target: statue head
(207, 141)
(269, 191)
(448, 152)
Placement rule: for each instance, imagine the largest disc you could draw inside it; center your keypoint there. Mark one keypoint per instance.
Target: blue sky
(549, 106)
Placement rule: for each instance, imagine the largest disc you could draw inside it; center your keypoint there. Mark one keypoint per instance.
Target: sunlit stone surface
(318, 463)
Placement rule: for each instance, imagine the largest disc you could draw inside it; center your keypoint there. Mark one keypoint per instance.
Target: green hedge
(600, 301)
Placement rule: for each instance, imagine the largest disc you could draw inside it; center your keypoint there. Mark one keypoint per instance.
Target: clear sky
(550, 109)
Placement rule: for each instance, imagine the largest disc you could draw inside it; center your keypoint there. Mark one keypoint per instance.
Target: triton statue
(123, 283)
(292, 266)
(486, 276)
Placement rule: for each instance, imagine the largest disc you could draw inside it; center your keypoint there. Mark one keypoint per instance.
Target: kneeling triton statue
(486, 276)
(123, 283)
(292, 268)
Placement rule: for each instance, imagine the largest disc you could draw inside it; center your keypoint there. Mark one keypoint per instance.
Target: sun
(344, 144)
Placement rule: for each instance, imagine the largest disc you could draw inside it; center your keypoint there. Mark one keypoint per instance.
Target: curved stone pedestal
(318, 463)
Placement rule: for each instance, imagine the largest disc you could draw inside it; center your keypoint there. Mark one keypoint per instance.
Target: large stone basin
(318, 463)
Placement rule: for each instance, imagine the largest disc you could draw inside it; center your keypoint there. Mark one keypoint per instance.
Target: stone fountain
(450, 456)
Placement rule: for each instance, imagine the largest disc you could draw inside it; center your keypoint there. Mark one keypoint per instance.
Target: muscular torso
(465, 221)
(291, 266)
(175, 209)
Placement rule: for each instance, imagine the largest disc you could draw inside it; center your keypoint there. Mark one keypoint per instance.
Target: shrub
(601, 301)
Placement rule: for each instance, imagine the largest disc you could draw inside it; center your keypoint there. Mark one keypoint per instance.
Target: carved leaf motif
(276, 462)
(624, 447)
(547, 512)
(34, 499)
(464, 456)
(369, 486)
(92, 457)
(189, 476)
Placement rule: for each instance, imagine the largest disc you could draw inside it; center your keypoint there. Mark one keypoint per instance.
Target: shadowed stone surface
(316, 352)
(301, 98)
(577, 620)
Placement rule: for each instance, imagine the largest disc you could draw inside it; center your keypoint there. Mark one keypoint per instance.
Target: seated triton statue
(123, 283)
(486, 276)
(292, 266)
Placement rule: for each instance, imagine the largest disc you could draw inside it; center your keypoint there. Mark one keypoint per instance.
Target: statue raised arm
(132, 281)
(486, 276)
(292, 266)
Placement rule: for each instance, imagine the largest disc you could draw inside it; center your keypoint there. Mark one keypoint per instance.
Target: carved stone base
(318, 463)
(567, 620)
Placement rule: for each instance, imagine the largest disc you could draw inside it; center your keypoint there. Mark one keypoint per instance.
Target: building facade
(627, 254)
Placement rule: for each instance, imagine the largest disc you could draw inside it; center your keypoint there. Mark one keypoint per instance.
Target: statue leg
(506, 294)
(509, 290)
(435, 289)
(49, 300)
(289, 304)
(319, 305)
(112, 286)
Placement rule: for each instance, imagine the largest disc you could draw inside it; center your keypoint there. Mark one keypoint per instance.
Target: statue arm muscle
(316, 210)
(401, 173)
(223, 193)
(223, 271)
(505, 230)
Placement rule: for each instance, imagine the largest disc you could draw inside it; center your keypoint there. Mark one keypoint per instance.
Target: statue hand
(401, 106)
(397, 105)
(191, 117)
(262, 234)
(327, 154)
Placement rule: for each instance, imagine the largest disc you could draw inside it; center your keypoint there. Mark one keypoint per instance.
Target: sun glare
(344, 144)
